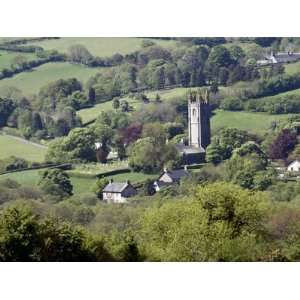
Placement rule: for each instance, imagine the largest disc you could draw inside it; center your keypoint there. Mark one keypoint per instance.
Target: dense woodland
(232, 208)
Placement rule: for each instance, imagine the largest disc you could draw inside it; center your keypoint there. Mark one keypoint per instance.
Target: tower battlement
(201, 96)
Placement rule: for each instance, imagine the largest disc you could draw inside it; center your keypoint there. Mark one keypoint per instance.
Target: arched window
(194, 112)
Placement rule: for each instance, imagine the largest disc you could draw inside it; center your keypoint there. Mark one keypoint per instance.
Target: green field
(92, 113)
(7, 57)
(11, 146)
(292, 68)
(89, 114)
(80, 185)
(252, 122)
(32, 177)
(133, 177)
(30, 82)
(99, 46)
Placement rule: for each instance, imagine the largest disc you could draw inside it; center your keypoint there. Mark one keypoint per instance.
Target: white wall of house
(294, 166)
(165, 178)
(113, 197)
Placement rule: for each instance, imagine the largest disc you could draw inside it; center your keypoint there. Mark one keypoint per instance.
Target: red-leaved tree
(283, 144)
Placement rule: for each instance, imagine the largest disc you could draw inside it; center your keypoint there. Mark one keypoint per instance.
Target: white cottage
(169, 177)
(294, 166)
(118, 192)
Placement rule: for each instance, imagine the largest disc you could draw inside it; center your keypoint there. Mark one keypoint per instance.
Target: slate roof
(287, 57)
(115, 187)
(177, 174)
(189, 149)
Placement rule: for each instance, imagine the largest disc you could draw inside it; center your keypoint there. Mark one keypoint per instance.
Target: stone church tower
(199, 119)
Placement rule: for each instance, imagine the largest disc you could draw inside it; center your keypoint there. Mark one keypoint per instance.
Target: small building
(280, 57)
(169, 177)
(118, 192)
(294, 166)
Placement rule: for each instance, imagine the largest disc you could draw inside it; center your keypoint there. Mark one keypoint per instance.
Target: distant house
(280, 57)
(118, 192)
(169, 177)
(294, 166)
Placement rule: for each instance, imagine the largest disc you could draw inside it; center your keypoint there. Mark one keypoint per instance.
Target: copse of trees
(263, 88)
(56, 183)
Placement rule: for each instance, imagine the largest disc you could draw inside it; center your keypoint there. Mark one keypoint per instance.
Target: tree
(148, 188)
(158, 80)
(131, 133)
(18, 62)
(148, 156)
(214, 153)
(124, 105)
(283, 144)
(92, 95)
(116, 103)
(220, 57)
(6, 108)
(79, 144)
(80, 54)
(56, 182)
(24, 237)
(36, 121)
(214, 88)
(100, 184)
(217, 222)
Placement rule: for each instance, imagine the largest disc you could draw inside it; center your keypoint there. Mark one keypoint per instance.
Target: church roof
(189, 149)
(177, 174)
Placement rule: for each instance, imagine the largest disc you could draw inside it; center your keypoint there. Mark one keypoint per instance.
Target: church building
(198, 127)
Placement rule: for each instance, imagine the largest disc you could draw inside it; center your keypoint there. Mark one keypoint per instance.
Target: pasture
(133, 177)
(89, 114)
(13, 146)
(292, 68)
(30, 82)
(99, 46)
(250, 121)
(32, 177)
(7, 57)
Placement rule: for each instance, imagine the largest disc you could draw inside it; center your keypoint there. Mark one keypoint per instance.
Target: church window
(194, 112)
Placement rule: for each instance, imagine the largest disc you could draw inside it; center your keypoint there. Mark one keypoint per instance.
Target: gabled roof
(175, 175)
(115, 187)
(294, 162)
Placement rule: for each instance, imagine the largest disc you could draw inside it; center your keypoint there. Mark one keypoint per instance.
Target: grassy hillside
(7, 57)
(252, 122)
(105, 46)
(31, 178)
(12, 146)
(89, 114)
(30, 82)
(292, 68)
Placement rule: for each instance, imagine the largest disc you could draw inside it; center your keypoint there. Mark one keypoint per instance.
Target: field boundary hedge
(45, 166)
(113, 172)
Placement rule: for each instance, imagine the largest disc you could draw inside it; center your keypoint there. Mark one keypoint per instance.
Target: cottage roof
(115, 187)
(295, 162)
(286, 57)
(175, 175)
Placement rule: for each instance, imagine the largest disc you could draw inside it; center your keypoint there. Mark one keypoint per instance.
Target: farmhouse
(118, 192)
(294, 166)
(280, 57)
(169, 177)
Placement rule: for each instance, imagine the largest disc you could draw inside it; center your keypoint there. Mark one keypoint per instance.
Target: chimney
(165, 169)
(111, 180)
(127, 181)
(185, 168)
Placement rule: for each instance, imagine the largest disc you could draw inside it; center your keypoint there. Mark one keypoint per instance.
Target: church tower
(199, 119)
